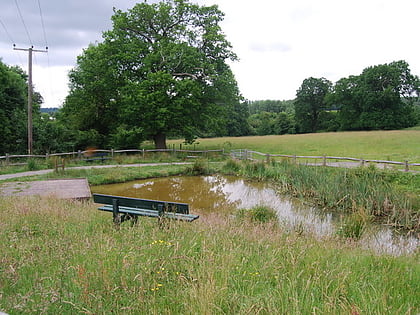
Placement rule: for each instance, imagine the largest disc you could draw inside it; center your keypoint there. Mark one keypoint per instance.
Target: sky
(279, 42)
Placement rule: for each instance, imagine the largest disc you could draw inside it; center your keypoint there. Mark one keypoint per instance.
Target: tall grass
(364, 189)
(64, 257)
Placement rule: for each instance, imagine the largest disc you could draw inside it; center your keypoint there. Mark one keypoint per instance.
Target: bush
(258, 214)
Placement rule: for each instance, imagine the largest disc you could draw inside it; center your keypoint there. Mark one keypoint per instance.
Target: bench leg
(129, 217)
(115, 213)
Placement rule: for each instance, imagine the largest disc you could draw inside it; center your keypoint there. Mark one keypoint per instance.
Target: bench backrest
(142, 203)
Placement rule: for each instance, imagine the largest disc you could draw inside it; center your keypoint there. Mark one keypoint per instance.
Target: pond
(207, 194)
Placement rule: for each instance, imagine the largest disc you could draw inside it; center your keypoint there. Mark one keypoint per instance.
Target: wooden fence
(80, 155)
(240, 154)
(325, 160)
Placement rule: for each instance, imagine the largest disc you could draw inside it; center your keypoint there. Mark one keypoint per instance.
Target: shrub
(258, 214)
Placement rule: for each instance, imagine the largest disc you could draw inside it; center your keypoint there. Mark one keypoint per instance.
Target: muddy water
(207, 194)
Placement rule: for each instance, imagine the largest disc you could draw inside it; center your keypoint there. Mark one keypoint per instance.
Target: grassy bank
(66, 257)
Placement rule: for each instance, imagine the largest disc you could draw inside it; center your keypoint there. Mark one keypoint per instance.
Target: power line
(23, 22)
(42, 23)
(11, 40)
(7, 32)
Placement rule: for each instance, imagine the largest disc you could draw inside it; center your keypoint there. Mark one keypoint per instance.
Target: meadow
(65, 257)
(395, 145)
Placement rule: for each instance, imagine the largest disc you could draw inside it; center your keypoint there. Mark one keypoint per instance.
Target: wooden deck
(77, 188)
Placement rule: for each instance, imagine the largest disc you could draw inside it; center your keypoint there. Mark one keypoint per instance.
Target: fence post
(324, 161)
(112, 153)
(7, 159)
(406, 166)
(294, 159)
(79, 154)
(362, 162)
(143, 154)
(268, 157)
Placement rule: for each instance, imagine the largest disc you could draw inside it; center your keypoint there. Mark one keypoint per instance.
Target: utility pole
(30, 50)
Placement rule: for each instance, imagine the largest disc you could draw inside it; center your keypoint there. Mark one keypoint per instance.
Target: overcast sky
(279, 42)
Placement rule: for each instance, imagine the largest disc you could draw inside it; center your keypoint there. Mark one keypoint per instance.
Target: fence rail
(240, 154)
(249, 154)
(82, 154)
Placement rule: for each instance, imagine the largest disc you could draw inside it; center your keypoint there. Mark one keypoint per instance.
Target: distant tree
(285, 124)
(160, 71)
(310, 102)
(263, 123)
(237, 122)
(382, 97)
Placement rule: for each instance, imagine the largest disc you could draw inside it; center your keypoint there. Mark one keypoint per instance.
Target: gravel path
(42, 172)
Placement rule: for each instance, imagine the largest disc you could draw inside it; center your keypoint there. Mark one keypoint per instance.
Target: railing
(249, 155)
(79, 155)
(239, 154)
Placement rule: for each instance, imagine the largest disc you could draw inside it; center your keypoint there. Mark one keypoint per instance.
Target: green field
(397, 145)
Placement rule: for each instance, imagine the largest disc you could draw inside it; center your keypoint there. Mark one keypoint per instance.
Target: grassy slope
(397, 145)
(63, 257)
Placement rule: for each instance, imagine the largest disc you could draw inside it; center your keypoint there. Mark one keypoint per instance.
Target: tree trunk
(160, 140)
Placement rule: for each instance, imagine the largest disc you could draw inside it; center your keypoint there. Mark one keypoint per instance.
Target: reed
(258, 214)
(345, 190)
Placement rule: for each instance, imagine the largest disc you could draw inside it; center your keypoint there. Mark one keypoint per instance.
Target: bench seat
(126, 208)
(151, 213)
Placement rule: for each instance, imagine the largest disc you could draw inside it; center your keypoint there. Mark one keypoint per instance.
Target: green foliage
(310, 102)
(126, 137)
(198, 168)
(380, 98)
(161, 70)
(258, 214)
(32, 165)
(354, 225)
(13, 117)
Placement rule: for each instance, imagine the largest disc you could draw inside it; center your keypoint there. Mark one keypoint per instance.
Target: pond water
(207, 194)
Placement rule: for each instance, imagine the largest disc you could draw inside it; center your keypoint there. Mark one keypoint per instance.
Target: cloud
(273, 47)
(279, 43)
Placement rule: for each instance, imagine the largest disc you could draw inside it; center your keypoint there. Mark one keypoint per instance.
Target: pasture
(395, 145)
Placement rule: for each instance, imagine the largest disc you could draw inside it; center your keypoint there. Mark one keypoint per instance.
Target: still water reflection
(207, 194)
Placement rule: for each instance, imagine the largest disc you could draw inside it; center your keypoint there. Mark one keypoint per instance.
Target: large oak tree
(161, 70)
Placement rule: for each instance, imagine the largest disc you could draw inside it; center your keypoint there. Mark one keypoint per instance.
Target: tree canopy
(161, 70)
(13, 98)
(310, 102)
(380, 98)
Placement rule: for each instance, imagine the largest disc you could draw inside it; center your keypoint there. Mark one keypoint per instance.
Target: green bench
(125, 208)
(97, 156)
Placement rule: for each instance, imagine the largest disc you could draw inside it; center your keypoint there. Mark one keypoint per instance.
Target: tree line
(162, 71)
